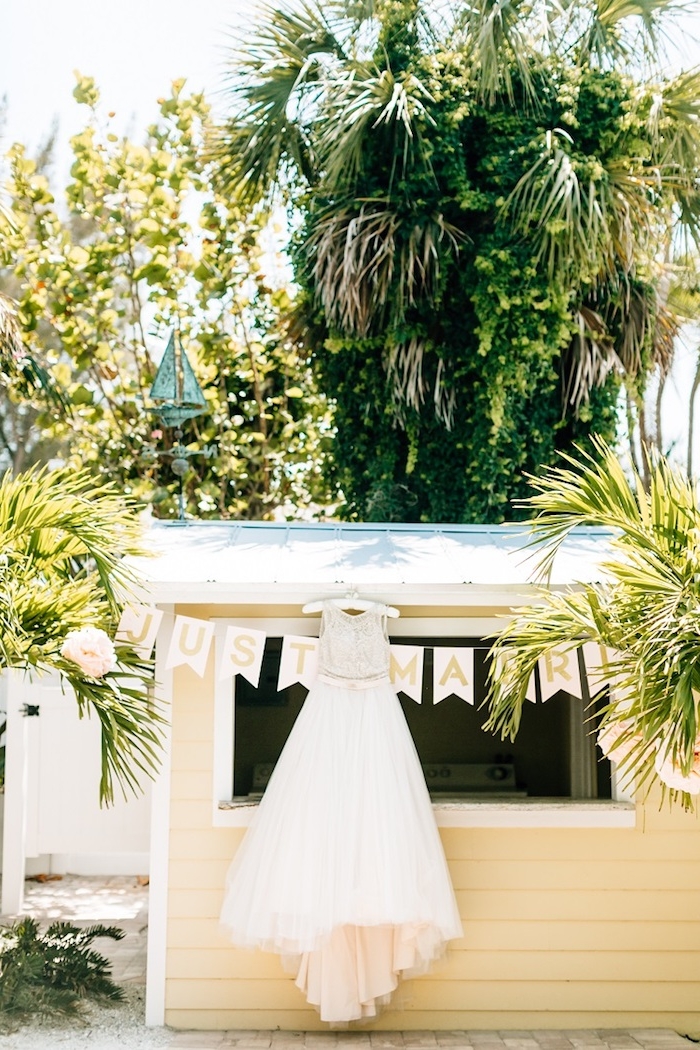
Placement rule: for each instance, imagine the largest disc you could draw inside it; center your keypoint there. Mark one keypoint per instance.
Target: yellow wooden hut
(581, 907)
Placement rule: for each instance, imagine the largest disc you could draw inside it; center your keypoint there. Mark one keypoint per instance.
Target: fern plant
(52, 972)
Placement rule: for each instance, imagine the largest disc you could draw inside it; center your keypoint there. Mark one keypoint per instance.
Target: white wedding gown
(342, 870)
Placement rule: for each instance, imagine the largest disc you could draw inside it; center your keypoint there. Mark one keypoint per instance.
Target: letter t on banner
(299, 662)
(406, 669)
(242, 653)
(190, 643)
(138, 627)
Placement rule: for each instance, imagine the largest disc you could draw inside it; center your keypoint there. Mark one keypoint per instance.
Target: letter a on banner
(138, 627)
(242, 653)
(299, 661)
(190, 643)
(406, 669)
(453, 673)
(559, 670)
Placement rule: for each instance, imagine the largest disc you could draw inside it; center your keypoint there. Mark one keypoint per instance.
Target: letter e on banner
(406, 669)
(242, 653)
(138, 627)
(299, 662)
(453, 673)
(190, 643)
(559, 670)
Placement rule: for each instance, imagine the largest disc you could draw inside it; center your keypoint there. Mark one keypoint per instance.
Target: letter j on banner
(190, 643)
(242, 653)
(138, 627)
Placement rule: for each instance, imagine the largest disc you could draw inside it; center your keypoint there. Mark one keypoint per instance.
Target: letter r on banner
(559, 670)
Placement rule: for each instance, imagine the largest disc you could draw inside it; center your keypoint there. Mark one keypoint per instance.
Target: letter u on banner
(406, 669)
(190, 643)
(138, 627)
(453, 673)
(559, 670)
(299, 662)
(242, 653)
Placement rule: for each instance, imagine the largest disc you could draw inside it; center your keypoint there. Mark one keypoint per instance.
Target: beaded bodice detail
(353, 647)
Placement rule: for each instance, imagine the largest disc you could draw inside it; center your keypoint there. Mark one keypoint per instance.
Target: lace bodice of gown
(353, 647)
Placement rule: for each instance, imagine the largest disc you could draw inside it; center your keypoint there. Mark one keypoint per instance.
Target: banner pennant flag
(600, 666)
(559, 669)
(190, 643)
(453, 673)
(138, 627)
(406, 669)
(530, 692)
(242, 653)
(299, 661)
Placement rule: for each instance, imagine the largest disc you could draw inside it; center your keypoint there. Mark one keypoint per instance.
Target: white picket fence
(53, 822)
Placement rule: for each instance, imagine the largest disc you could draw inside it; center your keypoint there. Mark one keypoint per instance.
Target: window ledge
(487, 813)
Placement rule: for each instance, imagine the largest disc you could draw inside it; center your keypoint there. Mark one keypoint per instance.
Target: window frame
(618, 811)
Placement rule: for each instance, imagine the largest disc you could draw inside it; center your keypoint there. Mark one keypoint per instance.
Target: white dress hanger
(351, 601)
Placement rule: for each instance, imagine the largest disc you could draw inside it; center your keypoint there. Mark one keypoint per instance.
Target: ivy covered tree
(490, 197)
(143, 243)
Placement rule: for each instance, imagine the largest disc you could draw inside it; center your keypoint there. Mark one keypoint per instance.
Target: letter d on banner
(242, 653)
(190, 643)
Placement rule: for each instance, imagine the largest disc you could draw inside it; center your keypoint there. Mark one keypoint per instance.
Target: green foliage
(486, 196)
(52, 972)
(144, 242)
(647, 611)
(62, 544)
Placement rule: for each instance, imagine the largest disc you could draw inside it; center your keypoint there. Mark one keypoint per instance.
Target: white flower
(91, 649)
(612, 746)
(670, 773)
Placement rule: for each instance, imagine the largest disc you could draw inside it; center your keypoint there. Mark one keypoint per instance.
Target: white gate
(52, 820)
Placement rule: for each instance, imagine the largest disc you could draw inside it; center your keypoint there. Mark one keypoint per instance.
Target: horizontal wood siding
(563, 927)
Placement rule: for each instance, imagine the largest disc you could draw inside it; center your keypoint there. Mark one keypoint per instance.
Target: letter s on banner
(406, 669)
(138, 627)
(242, 653)
(190, 643)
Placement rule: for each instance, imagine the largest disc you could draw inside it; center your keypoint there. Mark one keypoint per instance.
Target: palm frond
(367, 100)
(647, 610)
(274, 83)
(609, 35)
(20, 368)
(370, 264)
(499, 48)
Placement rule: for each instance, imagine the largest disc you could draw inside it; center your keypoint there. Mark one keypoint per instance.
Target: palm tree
(62, 545)
(324, 90)
(646, 612)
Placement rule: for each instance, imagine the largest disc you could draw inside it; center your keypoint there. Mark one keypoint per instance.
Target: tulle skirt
(342, 870)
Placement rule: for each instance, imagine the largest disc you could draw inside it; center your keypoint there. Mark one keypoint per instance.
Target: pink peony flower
(669, 772)
(612, 746)
(91, 649)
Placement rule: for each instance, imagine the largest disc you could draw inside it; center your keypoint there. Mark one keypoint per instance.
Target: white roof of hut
(255, 562)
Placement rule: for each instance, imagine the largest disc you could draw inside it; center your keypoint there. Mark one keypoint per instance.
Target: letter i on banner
(406, 669)
(190, 643)
(299, 661)
(453, 673)
(242, 653)
(559, 670)
(138, 627)
(600, 666)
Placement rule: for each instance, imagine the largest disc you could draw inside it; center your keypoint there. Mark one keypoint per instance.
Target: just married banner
(242, 649)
